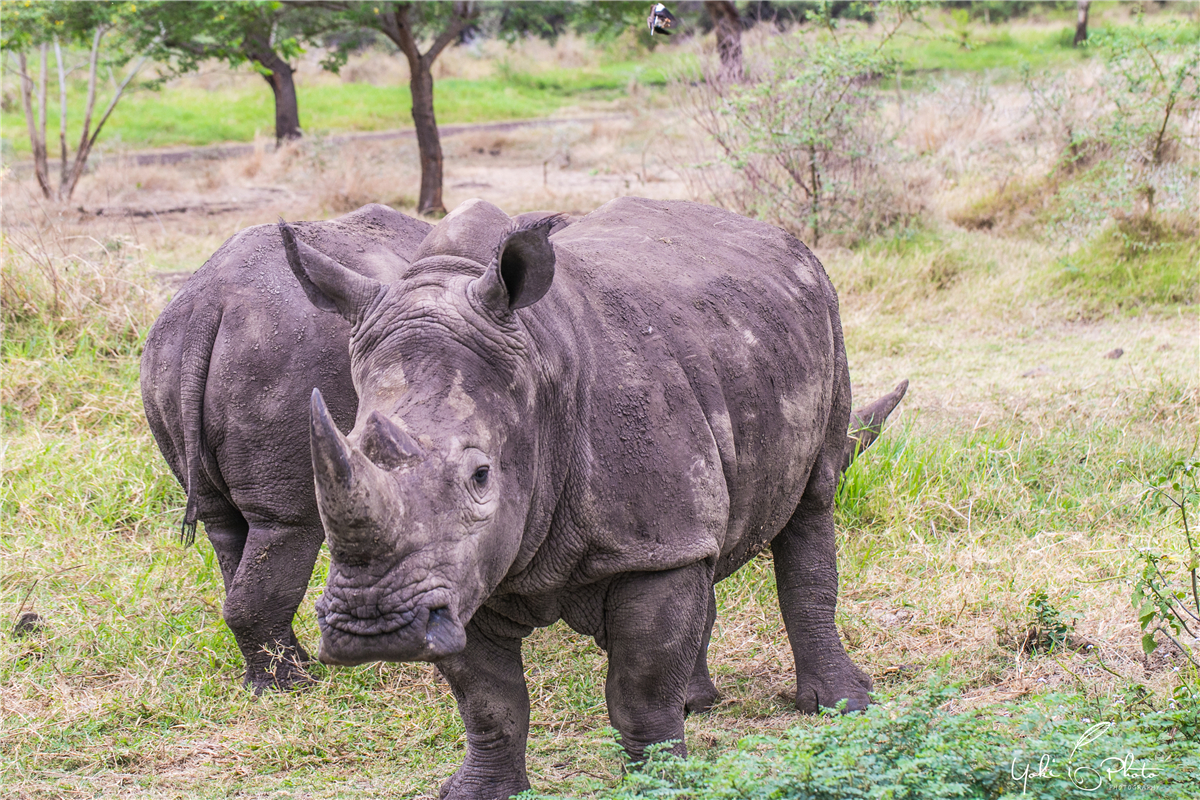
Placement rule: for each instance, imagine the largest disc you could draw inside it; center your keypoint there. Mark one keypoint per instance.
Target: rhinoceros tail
(197, 353)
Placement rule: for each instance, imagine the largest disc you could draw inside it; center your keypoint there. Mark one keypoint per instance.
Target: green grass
(186, 115)
(1007, 49)
(1133, 263)
(1013, 471)
(1000, 49)
(134, 686)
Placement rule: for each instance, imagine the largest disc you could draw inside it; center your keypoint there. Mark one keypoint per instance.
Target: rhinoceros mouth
(360, 622)
(426, 631)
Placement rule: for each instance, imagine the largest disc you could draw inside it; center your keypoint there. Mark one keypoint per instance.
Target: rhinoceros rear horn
(386, 444)
(523, 268)
(328, 285)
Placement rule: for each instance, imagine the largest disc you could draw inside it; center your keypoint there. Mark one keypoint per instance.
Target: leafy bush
(916, 748)
(1152, 85)
(803, 140)
(1166, 588)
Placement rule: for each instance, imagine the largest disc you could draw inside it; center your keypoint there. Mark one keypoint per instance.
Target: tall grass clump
(1135, 262)
(75, 308)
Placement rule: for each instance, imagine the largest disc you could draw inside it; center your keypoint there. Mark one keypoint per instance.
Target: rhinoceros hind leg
(807, 580)
(654, 624)
(226, 531)
(270, 582)
(488, 680)
(701, 692)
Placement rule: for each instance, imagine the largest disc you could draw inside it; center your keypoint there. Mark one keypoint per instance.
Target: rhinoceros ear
(329, 285)
(523, 268)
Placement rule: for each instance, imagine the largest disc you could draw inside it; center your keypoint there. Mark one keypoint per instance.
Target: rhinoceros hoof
(849, 683)
(284, 674)
(701, 695)
(463, 786)
(294, 681)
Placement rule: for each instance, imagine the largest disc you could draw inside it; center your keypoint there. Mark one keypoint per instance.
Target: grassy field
(494, 82)
(1002, 505)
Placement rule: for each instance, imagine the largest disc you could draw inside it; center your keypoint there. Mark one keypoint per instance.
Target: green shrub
(917, 748)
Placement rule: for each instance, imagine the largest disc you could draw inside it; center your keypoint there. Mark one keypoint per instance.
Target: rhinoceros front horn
(348, 490)
(332, 463)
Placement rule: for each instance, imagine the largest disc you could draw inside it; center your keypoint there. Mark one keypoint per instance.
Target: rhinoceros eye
(480, 478)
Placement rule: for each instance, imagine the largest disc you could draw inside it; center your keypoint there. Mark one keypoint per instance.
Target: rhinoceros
(596, 429)
(226, 376)
(246, 294)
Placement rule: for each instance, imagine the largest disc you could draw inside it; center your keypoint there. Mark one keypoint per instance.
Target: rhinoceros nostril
(443, 633)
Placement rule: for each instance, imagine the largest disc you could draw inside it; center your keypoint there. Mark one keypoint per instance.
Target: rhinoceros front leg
(807, 581)
(653, 626)
(488, 680)
(260, 602)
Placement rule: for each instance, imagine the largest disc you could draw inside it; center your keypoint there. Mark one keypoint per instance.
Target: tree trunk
(287, 111)
(398, 27)
(37, 142)
(62, 114)
(429, 142)
(729, 39)
(1081, 8)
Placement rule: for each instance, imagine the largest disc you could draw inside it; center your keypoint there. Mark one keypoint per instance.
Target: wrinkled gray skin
(226, 377)
(595, 429)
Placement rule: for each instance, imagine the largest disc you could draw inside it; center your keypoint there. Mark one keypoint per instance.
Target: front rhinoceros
(594, 428)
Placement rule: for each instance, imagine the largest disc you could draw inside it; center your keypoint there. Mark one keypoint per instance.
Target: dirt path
(170, 156)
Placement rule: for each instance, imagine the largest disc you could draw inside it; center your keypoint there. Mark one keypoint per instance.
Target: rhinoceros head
(425, 501)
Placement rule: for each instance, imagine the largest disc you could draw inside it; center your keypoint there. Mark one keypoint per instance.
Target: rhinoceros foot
(701, 694)
(843, 682)
(283, 670)
(466, 784)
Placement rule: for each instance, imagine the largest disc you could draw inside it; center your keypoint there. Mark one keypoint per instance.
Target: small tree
(42, 26)
(1151, 88)
(803, 138)
(406, 24)
(267, 34)
(444, 23)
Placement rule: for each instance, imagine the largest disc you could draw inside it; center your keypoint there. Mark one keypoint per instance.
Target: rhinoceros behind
(594, 429)
(226, 377)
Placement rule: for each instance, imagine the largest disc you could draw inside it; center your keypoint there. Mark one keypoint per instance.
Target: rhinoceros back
(717, 372)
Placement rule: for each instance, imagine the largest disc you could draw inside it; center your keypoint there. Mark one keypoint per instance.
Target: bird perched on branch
(660, 20)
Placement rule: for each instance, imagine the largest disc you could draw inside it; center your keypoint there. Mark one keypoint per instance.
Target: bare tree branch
(62, 113)
(88, 142)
